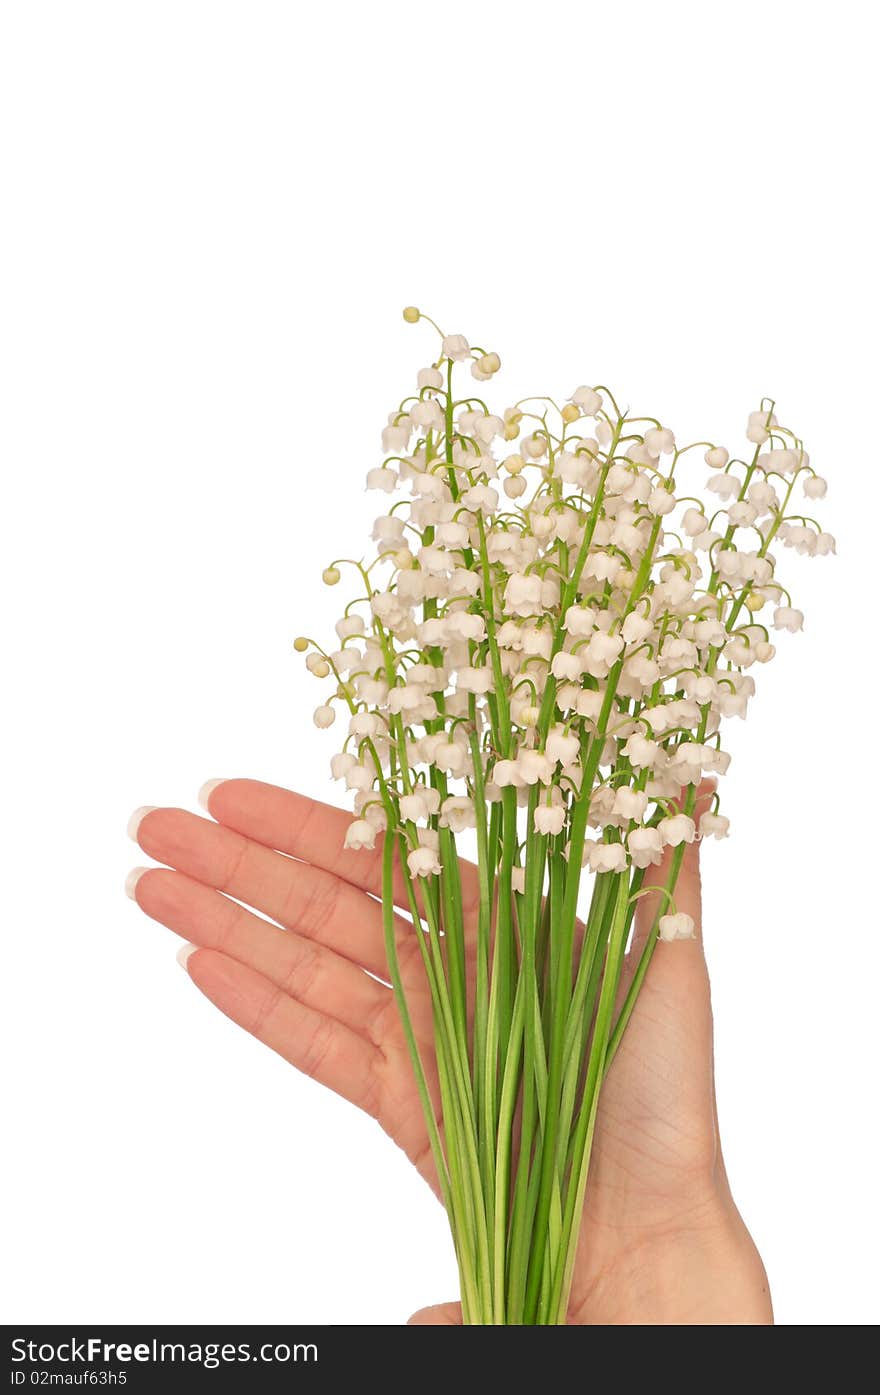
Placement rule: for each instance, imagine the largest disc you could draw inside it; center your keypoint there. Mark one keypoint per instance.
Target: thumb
(687, 897)
(440, 1315)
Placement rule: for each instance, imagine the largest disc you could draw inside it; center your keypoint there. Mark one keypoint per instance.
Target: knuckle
(227, 922)
(310, 902)
(303, 971)
(317, 1048)
(230, 876)
(380, 1020)
(374, 1087)
(264, 1013)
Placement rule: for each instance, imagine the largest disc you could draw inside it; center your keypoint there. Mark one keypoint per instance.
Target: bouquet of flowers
(540, 656)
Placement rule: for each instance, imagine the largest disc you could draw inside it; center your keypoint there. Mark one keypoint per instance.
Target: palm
(300, 985)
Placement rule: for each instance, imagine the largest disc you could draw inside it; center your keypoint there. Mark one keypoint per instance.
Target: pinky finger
(319, 1046)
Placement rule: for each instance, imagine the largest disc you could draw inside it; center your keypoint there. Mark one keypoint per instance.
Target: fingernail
(183, 954)
(206, 791)
(132, 880)
(137, 817)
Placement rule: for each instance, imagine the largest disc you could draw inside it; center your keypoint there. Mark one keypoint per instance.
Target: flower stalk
(541, 680)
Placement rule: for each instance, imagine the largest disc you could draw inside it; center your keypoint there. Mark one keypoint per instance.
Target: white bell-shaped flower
(676, 927)
(677, 829)
(550, 818)
(360, 834)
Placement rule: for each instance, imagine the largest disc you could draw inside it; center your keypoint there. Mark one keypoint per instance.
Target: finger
(678, 969)
(317, 1045)
(440, 1315)
(315, 976)
(301, 897)
(686, 893)
(315, 832)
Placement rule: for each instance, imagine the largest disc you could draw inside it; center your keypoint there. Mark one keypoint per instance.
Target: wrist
(715, 1274)
(698, 1268)
(748, 1282)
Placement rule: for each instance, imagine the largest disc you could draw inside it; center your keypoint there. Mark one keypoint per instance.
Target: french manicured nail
(132, 880)
(206, 791)
(183, 954)
(136, 819)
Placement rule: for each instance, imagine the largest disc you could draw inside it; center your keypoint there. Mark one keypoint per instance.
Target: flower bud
(759, 426)
(330, 576)
(411, 315)
(489, 363)
(535, 445)
(300, 644)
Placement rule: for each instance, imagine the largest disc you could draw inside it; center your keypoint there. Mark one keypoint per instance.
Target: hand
(662, 1241)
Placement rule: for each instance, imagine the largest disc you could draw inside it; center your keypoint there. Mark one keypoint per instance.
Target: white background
(213, 215)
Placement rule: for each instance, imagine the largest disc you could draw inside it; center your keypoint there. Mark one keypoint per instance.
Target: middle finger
(295, 894)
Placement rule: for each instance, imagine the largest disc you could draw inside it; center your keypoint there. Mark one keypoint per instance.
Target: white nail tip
(206, 791)
(132, 880)
(136, 819)
(183, 954)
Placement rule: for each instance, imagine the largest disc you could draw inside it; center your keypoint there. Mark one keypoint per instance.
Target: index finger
(313, 832)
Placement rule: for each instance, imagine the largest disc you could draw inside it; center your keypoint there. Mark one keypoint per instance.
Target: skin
(662, 1240)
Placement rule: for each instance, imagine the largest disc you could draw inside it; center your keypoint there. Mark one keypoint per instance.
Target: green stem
(507, 1109)
(587, 1115)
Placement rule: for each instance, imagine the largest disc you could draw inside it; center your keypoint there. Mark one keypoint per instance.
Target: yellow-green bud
(411, 315)
(300, 645)
(570, 413)
(330, 576)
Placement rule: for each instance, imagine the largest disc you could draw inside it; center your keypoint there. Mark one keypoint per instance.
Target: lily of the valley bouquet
(541, 656)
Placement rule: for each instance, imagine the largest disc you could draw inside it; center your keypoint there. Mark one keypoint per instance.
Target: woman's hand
(662, 1241)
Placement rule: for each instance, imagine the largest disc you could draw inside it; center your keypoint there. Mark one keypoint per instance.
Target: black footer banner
(140, 1358)
(109, 1357)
